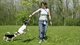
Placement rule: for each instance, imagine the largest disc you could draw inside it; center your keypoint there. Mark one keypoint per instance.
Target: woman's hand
(30, 16)
(51, 23)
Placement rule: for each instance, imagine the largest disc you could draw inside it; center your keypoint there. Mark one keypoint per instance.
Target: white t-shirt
(43, 12)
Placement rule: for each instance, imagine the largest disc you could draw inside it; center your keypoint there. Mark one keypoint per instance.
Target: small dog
(9, 37)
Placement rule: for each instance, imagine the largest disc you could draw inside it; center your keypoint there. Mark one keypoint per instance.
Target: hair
(44, 3)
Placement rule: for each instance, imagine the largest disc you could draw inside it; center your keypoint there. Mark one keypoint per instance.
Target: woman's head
(44, 5)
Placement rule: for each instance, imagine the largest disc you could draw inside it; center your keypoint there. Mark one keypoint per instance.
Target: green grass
(57, 35)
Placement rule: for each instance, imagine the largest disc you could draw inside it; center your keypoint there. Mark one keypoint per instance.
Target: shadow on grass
(29, 40)
(46, 37)
(17, 39)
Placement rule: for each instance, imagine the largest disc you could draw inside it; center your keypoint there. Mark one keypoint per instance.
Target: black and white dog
(10, 37)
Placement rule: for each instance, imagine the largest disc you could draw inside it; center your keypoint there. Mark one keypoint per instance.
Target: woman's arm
(34, 12)
(50, 17)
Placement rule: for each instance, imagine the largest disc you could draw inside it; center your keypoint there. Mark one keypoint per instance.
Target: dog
(8, 37)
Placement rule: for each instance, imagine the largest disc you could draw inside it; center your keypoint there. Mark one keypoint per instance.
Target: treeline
(63, 12)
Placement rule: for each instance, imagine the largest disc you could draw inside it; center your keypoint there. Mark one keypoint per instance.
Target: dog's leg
(4, 38)
(12, 39)
(7, 39)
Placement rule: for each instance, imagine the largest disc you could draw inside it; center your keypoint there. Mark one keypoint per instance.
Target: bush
(72, 22)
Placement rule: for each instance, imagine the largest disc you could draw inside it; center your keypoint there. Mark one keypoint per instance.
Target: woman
(43, 21)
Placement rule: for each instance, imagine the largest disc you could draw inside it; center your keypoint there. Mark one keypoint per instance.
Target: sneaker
(40, 41)
(44, 40)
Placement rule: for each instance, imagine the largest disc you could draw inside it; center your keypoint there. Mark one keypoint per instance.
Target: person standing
(43, 21)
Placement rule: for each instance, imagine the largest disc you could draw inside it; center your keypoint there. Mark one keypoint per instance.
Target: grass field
(57, 35)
